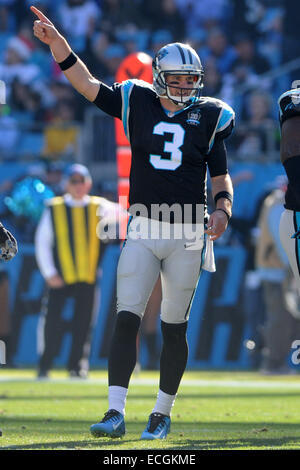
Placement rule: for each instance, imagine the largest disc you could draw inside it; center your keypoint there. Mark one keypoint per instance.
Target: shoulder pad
(227, 117)
(289, 104)
(220, 117)
(138, 83)
(220, 110)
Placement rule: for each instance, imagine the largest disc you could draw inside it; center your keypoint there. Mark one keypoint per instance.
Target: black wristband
(224, 194)
(225, 212)
(68, 62)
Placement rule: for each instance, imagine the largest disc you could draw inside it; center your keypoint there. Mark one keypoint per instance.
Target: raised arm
(77, 74)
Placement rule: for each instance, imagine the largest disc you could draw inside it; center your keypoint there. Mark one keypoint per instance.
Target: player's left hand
(217, 224)
(8, 244)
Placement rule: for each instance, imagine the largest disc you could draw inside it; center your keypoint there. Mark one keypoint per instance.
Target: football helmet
(177, 59)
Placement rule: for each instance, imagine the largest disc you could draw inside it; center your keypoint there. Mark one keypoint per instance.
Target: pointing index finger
(40, 15)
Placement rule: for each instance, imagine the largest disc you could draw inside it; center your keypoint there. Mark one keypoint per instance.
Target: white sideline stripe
(185, 383)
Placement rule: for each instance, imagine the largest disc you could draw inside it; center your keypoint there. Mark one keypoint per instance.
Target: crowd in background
(239, 42)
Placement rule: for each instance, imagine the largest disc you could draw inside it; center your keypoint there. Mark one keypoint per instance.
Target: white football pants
(143, 258)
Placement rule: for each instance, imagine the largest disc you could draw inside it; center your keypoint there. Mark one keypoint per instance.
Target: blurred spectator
(93, 55)
(7, 28)
(196, 39)
(159, 39)
(9, 132)
(113, 57)
(25, 34)
(271, 28)
(281, 327)
(117, 13)
(248, 57)
(7, 22)
(238, 84)
(61, 136)
(164, 14)
(26, 102)
(16, 65)
(68, 252)
(257, 111)
(247, 16)
(78, 20)
(252, 139)
(61, 91)
(132, 38)
(212, 80)
(207, 13)
(219, 49)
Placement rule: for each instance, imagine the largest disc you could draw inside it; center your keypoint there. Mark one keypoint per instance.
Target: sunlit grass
(213, 410)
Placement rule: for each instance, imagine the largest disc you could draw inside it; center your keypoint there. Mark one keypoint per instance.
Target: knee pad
(173, 332)
(127, 323)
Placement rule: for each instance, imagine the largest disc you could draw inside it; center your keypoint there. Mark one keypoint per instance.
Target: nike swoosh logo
(161, 432)
(115, 426)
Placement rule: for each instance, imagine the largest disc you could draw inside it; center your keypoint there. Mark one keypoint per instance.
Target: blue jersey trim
(126, 89)
(226, 118)
(175, 112)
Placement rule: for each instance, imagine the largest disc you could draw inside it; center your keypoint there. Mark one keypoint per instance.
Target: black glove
(8, 244)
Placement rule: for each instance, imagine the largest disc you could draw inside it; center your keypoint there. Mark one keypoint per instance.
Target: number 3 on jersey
(172, 147)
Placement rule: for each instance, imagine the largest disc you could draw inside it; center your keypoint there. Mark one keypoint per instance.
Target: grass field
(213, 410)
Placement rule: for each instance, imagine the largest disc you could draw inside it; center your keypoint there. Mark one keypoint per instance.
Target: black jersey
(170, 151)
(289, 107)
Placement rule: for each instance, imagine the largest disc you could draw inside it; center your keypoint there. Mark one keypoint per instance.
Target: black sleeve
(217, 159)
(109, 99)
(221, 135)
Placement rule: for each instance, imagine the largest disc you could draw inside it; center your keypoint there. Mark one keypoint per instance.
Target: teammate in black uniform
(289, 108)
(175, 135)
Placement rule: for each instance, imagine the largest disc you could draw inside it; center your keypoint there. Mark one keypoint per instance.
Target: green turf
(213, 410)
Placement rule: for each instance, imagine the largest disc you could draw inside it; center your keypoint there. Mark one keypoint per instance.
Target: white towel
(209, 257)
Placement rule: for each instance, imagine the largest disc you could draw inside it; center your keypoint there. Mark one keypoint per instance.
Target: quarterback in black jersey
(175, 135)
(289, 113)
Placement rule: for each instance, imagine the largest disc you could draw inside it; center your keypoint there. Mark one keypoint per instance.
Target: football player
(289, 109)
(175, 134)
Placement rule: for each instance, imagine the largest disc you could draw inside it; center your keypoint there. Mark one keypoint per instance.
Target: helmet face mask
(177, 59)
